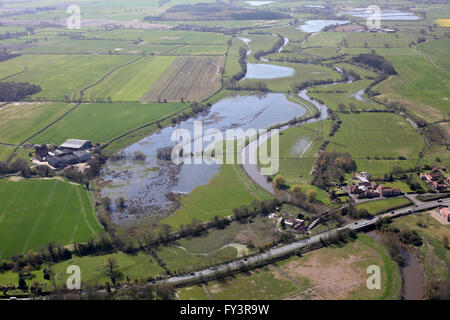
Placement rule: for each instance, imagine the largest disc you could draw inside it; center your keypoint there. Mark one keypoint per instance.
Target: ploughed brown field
(188, 78)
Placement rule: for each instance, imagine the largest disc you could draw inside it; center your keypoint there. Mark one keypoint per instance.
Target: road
(285, 250)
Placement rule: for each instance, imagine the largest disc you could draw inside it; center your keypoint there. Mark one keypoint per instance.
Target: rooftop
(74, 144)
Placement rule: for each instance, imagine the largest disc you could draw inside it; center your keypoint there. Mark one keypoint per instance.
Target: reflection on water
(268, 71)
(318, 25)
(258, 3)
(147, 185)
(387, 15)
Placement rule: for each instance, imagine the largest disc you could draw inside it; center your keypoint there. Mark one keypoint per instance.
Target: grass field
(232, 66)
(298, 146)
(136, 267)
(5, 151)
(377, 135)
(101, 122)
(381, 206)
(424, 95)
(132, 82)
(359, 39)
(228, 190)
(179, 260)
(34, 212)
(259, 232)
(163, 36)
(19, 121)
(336, 272)
(65, 45)
(188, 78)
(60, 75)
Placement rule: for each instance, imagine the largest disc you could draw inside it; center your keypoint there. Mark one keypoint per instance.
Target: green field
(101, 122)
(19, 121)
(424, 95)
(163, 36)
(182, 261)
(61, 75)
(37, 211)
(5, 151)
(381, 206)
(329, 273)
(228, 190)
(257, 233)
(132, 82)
(298, 146)
(377, 135)
(136, 267)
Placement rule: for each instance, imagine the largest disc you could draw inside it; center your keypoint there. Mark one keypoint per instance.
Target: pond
(318, 25)
(148, 185)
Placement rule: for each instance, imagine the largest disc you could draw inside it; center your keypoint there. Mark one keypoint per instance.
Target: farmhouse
(76, 145)
(435, 180)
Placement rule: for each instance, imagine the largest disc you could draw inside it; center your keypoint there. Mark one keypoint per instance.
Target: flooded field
(318, 25)
(387, 15)
(149, 186)
(268, 71)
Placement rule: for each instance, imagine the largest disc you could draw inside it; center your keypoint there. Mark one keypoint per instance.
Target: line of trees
(275, 48)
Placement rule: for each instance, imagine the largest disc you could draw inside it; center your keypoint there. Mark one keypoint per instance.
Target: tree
(279, 182)
(43, 171)
(22, 283)
(311, 195)
(111, 270)
(445, 241)
(121, 202)
(107, 203)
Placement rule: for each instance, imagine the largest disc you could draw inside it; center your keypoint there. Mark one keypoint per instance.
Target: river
(413, 279)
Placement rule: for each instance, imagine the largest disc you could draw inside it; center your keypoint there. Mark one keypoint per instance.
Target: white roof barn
(75, 144)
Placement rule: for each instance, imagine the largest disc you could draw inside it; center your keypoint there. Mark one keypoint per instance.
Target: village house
(435, 180)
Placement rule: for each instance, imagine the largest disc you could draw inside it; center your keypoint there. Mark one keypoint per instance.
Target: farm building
(82, 156)
(76, 145)
(56, 162)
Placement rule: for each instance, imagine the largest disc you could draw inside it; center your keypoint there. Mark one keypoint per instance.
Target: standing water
(148, 185)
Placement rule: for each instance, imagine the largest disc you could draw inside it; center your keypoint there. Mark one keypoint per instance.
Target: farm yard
(188, 79)
(37, 211)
